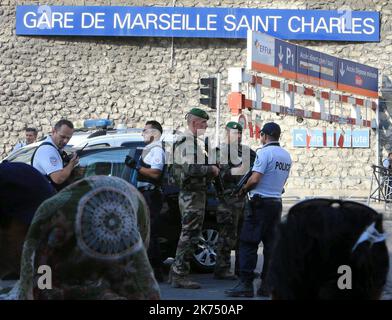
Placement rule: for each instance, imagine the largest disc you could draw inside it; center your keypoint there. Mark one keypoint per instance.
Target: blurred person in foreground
(22, 190)
(329, 249)
(92, 236)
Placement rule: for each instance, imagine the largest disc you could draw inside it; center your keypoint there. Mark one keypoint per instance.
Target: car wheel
(204, 257)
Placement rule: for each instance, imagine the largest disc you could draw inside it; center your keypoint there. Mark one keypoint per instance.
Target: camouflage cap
(234, 125)
(198, 113)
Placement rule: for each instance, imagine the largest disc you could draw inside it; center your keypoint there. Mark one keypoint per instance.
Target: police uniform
(265, 209)
(153, 157)
(230, 207)
(192, 179)
(47, 158)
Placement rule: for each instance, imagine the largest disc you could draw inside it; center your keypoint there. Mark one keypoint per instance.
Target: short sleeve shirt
(47, 158)
(274, 163)
(153, 155)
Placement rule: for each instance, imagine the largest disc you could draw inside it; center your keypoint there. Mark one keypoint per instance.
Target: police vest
(143, 178)
(64, 158)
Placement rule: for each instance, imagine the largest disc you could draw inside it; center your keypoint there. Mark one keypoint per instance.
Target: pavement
(212, 289)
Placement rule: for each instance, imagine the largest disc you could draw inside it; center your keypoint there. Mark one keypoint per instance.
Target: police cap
(271, 129)
(198, 113)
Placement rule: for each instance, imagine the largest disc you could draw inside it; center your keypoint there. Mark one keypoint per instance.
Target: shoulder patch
(53, 161)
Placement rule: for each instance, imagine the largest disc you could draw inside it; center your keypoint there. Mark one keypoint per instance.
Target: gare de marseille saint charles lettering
(197, 22)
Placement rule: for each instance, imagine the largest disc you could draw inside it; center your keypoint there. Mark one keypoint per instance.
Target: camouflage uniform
(192, 198)
(230, 208)
(93, 236)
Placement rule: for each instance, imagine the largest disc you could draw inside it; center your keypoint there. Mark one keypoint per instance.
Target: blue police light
(98, 123)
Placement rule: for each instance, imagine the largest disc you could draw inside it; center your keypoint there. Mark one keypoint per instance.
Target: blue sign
(283, 59)
(357, 78)
(286, 59)
(316, 68)
(360, 138)
(328, 25)
(351, 139)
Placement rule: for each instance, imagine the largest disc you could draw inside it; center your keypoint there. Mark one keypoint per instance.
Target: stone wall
(43, 79)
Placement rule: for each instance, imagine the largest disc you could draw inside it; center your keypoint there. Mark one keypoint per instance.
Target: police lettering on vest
(282, 166)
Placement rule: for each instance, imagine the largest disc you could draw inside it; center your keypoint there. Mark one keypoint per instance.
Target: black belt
(259, 197)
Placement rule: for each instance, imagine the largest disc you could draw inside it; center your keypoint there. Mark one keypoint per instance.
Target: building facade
(134, 79)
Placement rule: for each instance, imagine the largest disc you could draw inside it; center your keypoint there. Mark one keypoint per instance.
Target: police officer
(264, 187)
(192, 174)
(51, 160)
(150, 168)
(234, 161)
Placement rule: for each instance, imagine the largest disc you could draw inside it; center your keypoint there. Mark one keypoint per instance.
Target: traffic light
(208, 88)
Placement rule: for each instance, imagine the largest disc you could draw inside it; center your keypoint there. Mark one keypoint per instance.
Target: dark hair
(318, 237)
(389, 154)
(34, 130)
(63, 122)
(155, 125)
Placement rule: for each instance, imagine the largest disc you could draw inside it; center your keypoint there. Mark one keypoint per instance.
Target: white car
(113, 138)
(92, 139)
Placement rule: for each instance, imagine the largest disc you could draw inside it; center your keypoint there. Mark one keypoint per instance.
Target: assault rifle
(242, 182)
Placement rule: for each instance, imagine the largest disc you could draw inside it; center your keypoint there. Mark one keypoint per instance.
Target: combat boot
(224, 275)
(263, 291)
(178, 281)
(242, 289)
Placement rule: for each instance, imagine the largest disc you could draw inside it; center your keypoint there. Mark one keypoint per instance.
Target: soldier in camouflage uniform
(234, 159)
(191, 174)
(93, 236)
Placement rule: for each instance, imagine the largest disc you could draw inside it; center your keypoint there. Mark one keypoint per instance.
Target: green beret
(199, 113)
(234, 125)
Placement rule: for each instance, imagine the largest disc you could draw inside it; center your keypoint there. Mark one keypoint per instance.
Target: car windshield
(104, 162)
(22, 155)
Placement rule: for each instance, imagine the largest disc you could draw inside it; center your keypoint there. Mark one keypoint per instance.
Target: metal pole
(377, 133)
(218, 93)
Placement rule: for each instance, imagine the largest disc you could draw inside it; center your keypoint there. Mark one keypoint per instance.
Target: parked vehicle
(105, 153)
(105, 156)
